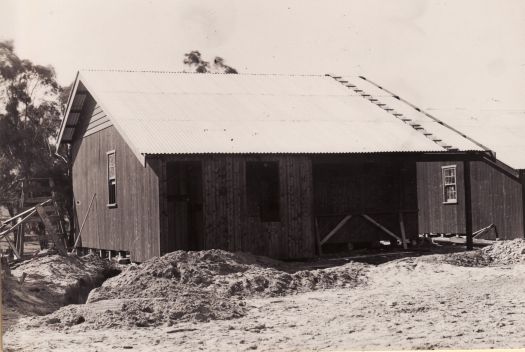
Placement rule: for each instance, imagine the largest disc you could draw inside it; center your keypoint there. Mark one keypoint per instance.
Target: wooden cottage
(276, 165)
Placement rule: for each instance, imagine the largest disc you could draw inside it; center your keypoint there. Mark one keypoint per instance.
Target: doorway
(185, 213)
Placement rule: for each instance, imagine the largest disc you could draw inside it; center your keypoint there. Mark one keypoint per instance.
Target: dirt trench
(51, 282)
(79, 292)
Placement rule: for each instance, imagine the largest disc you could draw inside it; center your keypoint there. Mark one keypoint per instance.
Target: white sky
(462, 57)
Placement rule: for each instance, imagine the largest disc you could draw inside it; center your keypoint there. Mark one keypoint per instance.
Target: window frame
(109, 179)
(444, 184)
(262, 213)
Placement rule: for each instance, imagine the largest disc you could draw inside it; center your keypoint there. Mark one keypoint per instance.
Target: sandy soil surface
(48, 281)
(464, 300)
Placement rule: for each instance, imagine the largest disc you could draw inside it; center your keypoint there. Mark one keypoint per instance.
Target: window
(262, 190)
(112, 179)
(449, 184)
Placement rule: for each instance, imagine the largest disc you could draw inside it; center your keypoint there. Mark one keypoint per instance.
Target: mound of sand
(199, 286)
(499, 253)
(506, 252)
(142, 312)
(223, 273)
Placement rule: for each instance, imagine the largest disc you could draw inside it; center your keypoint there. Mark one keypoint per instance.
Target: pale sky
(459, 58)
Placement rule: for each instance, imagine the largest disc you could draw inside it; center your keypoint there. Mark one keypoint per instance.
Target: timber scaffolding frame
(38, 205)
(367, 216)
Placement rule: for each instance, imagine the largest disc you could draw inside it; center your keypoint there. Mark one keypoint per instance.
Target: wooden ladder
(39, 196)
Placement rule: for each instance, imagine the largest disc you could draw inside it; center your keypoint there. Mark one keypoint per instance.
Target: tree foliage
(29, 120)
(194, 61)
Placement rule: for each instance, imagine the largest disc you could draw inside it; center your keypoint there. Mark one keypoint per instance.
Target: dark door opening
(185, 215)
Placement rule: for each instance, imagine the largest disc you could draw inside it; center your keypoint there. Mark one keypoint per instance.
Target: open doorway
(185, 215)
(364, 202)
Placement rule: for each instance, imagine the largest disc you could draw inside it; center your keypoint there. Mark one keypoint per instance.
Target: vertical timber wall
(496, 199)
(380, 187)
(133, 225)
(228, 225)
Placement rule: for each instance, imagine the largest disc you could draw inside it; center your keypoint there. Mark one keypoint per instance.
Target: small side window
(112, 179)
(450, 194)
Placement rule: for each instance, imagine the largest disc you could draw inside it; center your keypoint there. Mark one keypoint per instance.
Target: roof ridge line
(201, 73)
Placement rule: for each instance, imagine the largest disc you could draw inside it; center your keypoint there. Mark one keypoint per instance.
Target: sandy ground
(411, 303)
(50, 282)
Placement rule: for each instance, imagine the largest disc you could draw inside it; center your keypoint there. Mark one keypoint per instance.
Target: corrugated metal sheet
(162, 112)
(501, 131)
(73, 118)
(78, 102)
(68, 133)
(412, 116)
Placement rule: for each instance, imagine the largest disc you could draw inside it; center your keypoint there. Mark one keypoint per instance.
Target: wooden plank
(101, 119)
(461, 240)
(284, 164)
(484, 230)
(402, 228)
(163, 210)
(36, 200)
(20, 239)
(308, 233)
(98, 128)
(13, 247)
(3, 262)
(84, 221)
(336, 228)
(237, 202)
(318, 239)
(522, 182)
(230, 204)
(208, 207)
(25, 212)
(468, 203)
(51, 231)
(22, 221)
(387, 231)
(97, 115)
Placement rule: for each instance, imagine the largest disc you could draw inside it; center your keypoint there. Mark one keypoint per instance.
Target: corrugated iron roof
(166, 112)
(413, 116)
(501, 131)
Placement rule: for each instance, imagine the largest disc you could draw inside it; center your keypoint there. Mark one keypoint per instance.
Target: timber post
(1, 301)
(468, 203)
(522, 181)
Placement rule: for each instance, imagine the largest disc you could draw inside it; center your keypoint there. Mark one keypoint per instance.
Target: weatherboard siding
(92, 119)
(496, 199)
(97, 121)
(434, 216)
(133, 225)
